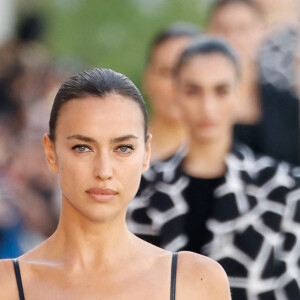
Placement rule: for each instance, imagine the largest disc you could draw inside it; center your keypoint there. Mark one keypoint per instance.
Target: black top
(200, 197)
(173, 277)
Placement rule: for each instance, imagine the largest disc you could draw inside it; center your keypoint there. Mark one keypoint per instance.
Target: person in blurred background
(266, 36)
(169, 132)
(241, 23)
(279, 13)
(28, 78)
(278, 85)
(220, 199)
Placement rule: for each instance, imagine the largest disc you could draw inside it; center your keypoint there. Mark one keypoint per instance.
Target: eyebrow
(191, 84)
(91, 140)
(223, 84)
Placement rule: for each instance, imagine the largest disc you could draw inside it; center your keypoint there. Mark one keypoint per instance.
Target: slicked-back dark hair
(175, 30)
(208, 45)
(96, 82)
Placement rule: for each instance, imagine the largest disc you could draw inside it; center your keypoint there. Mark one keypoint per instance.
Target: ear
(50, 154)
(147, 155)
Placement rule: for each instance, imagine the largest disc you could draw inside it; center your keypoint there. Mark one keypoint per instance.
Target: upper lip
(101, 191)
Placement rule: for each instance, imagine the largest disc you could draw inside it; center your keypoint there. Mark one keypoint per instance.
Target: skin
(166, 125)
(279, 13)
(92, 255)
(206, 94)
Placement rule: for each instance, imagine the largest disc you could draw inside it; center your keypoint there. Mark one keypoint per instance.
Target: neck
(168, 136)
(84, 243)
(247, 108)
(206, 159)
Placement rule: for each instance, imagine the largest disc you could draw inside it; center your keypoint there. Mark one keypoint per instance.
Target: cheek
(226, 111)
(160, 87)
(190, 110)
(130, 176)
(71, 174)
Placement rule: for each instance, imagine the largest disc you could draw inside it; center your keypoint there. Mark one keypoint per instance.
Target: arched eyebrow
(91, 140)
(124, 138)
(81, 138)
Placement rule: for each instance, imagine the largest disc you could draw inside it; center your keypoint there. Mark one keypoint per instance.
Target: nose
(103, 166)
(207, 104)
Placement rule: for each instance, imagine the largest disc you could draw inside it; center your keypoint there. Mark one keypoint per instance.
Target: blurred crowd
(29, 79)
(264, 35)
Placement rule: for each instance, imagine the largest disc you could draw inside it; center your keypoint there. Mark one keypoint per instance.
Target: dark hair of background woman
(97, 82)
(208, 45)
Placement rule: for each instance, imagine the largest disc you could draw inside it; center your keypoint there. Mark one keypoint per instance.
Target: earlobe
(147, 156)
(50, 154)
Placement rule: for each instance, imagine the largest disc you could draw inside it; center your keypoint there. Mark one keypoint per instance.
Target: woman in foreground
(99, 147)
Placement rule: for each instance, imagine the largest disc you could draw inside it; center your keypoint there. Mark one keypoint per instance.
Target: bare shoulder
(199, 277)
(8, 286)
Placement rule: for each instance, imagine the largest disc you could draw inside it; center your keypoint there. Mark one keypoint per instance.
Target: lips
(207, 124)
(102, 194)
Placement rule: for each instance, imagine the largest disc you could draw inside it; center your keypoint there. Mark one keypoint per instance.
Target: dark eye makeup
(81, 148)
(125, 148)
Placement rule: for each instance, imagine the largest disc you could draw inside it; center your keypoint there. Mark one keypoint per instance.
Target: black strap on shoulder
(173, 275)
(18, 278)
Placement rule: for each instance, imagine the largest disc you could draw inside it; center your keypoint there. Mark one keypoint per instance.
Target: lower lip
(102, 197)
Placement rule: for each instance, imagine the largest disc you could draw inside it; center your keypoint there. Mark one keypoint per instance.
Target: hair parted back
(206, 45)
(97, 82)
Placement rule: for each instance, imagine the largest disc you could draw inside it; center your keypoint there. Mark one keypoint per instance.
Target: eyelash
(128, 147)
(76, 147)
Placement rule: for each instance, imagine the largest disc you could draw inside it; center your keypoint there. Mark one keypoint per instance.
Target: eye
(125, 149)
(223, 91)
(191, 92)
(164, 72)
(81, 148)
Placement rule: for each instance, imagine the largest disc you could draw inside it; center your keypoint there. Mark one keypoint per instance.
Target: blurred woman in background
(169, 132)
(220, 199)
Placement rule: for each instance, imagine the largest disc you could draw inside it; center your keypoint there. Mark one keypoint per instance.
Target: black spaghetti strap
(173, 275)
(19, 279)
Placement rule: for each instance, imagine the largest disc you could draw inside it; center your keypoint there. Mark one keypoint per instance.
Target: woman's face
(99, 154)
(206, 94)
(241, 25)
(158, 80)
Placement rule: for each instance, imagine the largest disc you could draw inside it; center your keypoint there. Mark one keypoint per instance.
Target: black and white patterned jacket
(255, 224)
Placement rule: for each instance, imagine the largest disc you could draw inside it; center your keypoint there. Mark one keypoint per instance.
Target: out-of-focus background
(112, 34)
(43, 42)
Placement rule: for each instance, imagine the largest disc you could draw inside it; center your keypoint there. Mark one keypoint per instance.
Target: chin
(103, 216)
(208, 137)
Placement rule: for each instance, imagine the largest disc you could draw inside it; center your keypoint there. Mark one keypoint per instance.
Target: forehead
(112, 115)
(208, 69)
(232, 12)
(167, 52)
